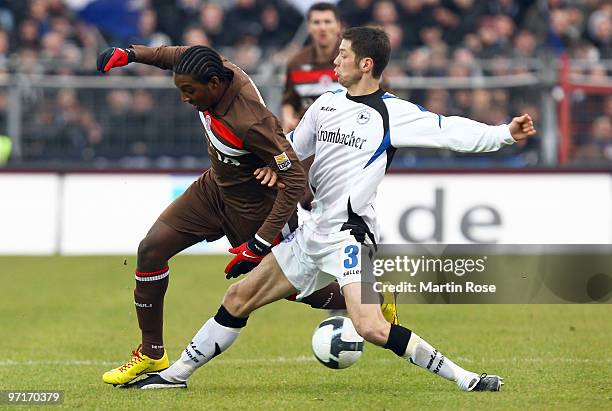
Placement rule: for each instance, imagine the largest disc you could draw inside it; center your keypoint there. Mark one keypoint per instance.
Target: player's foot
(137, 365)
(389, 308)
(484, 382)
(488, 383)
(154, 381)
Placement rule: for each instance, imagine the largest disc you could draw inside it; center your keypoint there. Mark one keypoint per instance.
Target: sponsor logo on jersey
(223, 158)
(327, 108)
(363, 117)
(338, 137)
(282, 161)
(290, 237)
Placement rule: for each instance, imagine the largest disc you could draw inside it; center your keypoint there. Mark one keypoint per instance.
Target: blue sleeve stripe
(291, 135)
(439, 116)
(384, 145)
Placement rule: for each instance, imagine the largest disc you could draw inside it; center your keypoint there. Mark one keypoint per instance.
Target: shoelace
(136, 358)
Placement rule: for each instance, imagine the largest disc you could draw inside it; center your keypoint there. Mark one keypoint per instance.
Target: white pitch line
(70, 362)
(305, 358)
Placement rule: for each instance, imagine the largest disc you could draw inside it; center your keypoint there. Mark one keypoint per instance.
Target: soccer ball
(336, 344)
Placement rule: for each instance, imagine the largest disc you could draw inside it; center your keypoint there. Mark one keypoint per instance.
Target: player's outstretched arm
(412, 126)
(521, 128)
(163, 57)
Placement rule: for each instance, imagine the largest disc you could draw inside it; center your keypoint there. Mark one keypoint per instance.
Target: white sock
(421, 353)
(210, 341)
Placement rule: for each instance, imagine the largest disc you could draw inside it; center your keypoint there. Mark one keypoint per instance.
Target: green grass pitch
(64, 321)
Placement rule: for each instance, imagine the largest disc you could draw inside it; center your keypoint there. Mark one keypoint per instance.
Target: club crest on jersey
(282, 161)
(363, 117)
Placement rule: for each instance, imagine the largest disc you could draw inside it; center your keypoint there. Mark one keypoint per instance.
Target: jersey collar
(360, 99)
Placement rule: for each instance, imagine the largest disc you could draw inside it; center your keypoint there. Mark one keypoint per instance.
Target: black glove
(248, 255)
(115, 57)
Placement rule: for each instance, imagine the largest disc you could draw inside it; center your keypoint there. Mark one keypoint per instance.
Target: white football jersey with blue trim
(353, 140)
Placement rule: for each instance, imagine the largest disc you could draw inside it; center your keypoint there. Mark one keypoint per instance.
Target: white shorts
(310, 261)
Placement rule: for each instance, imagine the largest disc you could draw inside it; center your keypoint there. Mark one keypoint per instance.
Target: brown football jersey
(308, 78)
(242, 135)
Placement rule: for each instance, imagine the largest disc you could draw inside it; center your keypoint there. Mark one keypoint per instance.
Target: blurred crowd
(429, 38)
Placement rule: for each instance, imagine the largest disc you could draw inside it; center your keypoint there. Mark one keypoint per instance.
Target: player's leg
(265, 284)
(371, 325)
(239, 228)
(152, 275)
(189, 219)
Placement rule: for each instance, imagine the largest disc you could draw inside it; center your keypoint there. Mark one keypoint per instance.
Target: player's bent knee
(236, 302)
(149, 256)
(371, 330)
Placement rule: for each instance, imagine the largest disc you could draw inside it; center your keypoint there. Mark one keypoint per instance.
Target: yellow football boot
(137, 365)
(389, 308)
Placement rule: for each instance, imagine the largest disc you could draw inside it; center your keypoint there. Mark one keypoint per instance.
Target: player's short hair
(323, 6)
(202, 63)
(370, 42)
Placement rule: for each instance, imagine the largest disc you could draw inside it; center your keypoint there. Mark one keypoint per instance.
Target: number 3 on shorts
(352, 252)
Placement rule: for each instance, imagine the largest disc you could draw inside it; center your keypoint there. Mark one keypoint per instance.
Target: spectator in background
(598, 151)
(493, 41)
(437, 101)
(147, 30)
(194, 36)
(600, 30)
(246, 52)
(396, 36)
(212, 17)
(173, 16)
(414, 15)
(5, 44)
(117, 130)
(418, 62)
(524, 45)
(273, 35)
(28, 37)
(243, 18)
(29, 63)
(7, 20)
(38, 12)
(141, 117)
(384, 12)
(356, 12)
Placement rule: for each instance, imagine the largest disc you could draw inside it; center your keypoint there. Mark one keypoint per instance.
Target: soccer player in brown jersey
(310, 73)
(245, 142)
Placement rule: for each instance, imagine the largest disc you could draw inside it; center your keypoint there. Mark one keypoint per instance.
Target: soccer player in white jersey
(352, 134)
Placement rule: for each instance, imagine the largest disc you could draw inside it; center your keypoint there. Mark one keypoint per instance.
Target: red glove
(248, 255)
(115, 57)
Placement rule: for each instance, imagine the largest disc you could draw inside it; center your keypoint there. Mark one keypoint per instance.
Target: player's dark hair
(323, 6)
(370, 42)
(202, 63)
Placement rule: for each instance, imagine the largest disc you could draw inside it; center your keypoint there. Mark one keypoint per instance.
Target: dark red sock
(149, 301)
(328, 298)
